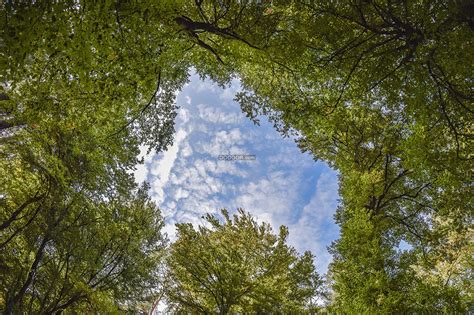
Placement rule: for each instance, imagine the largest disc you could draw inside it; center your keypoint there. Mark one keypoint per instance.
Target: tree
(91, 257)
(240, 266)
(76, 232)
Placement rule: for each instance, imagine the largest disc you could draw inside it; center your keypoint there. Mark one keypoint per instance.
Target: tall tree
(75, 231)
(239, 266)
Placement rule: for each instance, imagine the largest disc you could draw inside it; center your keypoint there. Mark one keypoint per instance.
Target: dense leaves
(76, 232)
(239, 266)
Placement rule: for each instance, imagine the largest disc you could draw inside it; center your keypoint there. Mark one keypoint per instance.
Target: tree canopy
(238, 266)
(380, 90)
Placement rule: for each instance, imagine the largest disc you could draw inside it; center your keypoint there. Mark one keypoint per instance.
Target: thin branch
(150, 102)
(346, 82)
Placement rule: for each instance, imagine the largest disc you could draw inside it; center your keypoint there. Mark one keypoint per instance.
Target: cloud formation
(282, 186)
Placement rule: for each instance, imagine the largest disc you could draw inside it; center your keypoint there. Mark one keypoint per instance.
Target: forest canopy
(380, 90)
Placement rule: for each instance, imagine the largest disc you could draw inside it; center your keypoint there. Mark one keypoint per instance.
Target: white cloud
(183, 115)
(224, 142)
(272, 198)
(228, 94)
(186, 149)
(218, 116)
(162, 167)
(141, 173)
(205, 86)
(142, 170)
(312, 227)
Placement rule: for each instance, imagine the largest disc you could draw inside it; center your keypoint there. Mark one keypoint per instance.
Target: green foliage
(76, 233)
(238, 266)
(364, 269)
(382, 91)
(102, 61)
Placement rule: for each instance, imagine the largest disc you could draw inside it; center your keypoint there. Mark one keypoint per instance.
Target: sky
(282, 186)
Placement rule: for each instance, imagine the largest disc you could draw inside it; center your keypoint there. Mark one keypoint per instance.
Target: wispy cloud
(161, 170)
(315, 226)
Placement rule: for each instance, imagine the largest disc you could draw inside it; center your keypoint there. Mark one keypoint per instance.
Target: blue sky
(282, 186)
